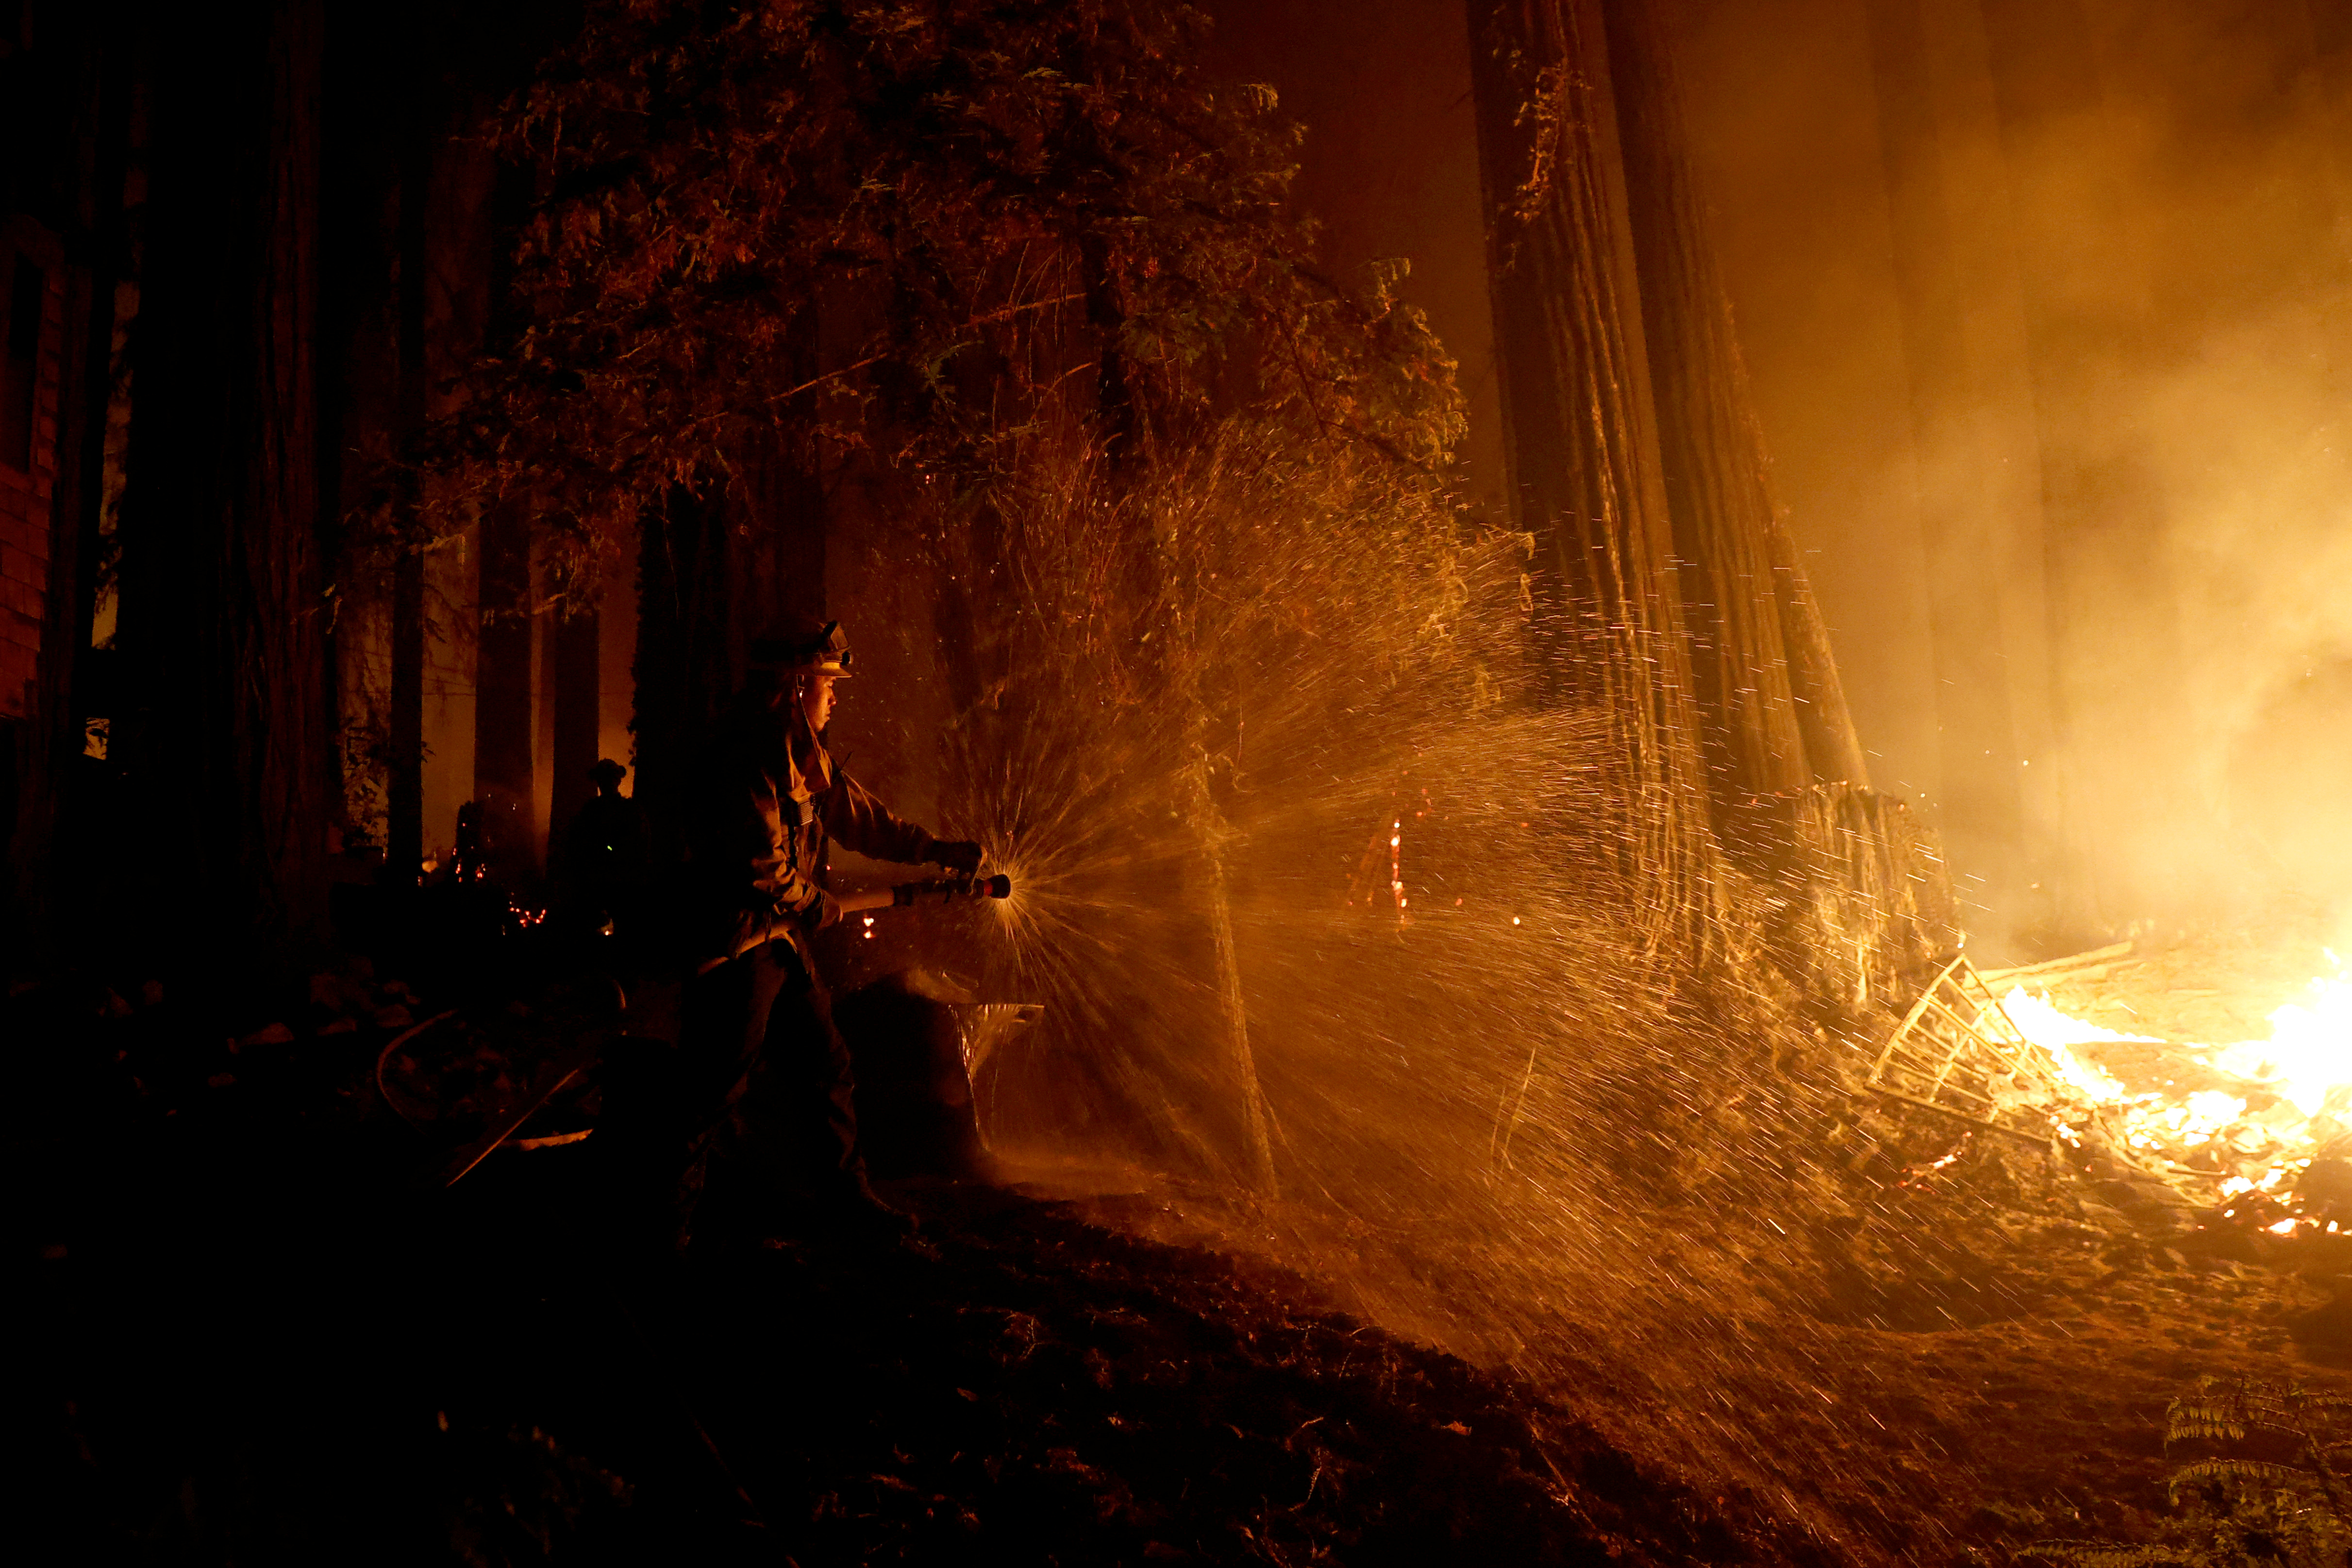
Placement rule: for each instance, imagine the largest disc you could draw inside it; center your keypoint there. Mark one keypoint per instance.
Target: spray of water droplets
(1330, 920)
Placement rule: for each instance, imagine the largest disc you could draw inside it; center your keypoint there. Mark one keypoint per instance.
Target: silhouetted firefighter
(606, 859)
(758, 1058)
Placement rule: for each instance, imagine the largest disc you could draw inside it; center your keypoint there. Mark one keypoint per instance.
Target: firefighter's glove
(962, 857)
(825, 912)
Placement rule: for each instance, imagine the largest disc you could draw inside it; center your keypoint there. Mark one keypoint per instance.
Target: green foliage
(858, 224)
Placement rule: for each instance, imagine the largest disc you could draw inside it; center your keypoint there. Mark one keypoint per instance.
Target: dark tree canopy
(896, 227)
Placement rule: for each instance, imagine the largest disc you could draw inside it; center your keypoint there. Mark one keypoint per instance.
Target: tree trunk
(575, 646)
(405, 752)
(222, 583)
(40, 860)
(1863, 901)
(1163, 598)
(1230, 1015)
(1580, 433)
(404, 760)
(286, 758)
(1739, 582)
(1833, 745)
(503, 729)
(685, 667)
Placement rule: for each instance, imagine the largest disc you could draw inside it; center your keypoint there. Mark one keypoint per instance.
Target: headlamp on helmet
(806, 647)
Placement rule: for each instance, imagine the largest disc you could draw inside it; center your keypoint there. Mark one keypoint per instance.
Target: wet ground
(1944, 1371)
(249, 1340)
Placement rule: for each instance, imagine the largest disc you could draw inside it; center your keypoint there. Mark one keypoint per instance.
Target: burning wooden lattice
(1958, 1055)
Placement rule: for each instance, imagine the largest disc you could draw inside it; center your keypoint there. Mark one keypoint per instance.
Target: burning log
(2088, 965)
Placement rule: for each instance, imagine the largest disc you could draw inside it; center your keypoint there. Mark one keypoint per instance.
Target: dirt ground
(233, 1375)
(1962, 1368)
(250, 1340)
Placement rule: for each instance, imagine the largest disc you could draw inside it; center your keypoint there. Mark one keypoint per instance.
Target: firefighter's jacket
(771, 801)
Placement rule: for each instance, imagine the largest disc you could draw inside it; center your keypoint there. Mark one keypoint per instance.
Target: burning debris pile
(2250, 1133)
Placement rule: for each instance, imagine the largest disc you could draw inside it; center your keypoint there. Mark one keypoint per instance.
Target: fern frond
(2111, 1554)
(2251, 1390)
(2244, 1472)
(2229, 1414)
(2260, 1388)
(2189, 1417)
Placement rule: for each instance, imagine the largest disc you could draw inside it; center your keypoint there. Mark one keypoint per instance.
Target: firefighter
(606, 858)
(759, 1065)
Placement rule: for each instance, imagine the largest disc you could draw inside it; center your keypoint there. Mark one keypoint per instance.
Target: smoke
(2075, 473)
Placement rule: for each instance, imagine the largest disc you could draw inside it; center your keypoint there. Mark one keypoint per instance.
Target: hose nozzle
(947, 890)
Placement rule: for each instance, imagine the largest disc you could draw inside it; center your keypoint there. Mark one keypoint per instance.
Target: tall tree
(67, 126)
(412, 132)
(1773, 710)
(222, 616)
(1679, 610)
(1581, 432)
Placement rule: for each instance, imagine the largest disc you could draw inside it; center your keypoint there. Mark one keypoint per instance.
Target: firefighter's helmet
(805, 646)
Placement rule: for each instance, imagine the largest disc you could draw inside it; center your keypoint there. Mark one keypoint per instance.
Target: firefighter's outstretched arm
(853, 816)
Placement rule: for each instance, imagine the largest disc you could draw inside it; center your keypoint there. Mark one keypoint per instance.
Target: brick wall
(25, 497)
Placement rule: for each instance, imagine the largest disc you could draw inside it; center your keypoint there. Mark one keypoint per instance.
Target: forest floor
(251, 1340)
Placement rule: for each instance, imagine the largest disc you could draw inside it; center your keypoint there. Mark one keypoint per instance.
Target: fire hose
(939, 890)
(942, 890)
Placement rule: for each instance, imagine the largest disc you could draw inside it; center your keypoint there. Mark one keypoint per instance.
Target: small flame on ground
(1396, 867)
(1918, 1176)
(2058, 1033)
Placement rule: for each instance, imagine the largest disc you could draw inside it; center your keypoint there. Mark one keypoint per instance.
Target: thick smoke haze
(2047, 307)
